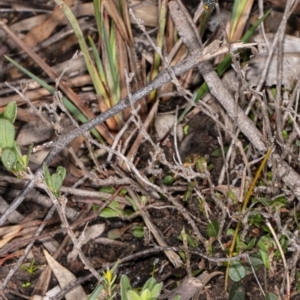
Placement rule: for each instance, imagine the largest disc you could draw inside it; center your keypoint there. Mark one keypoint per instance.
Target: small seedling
(54, 181)
(108, 285)
(150, 291)
(31, 269)
(138, 231)
(11, 156)
(109, 279)
(26, 284)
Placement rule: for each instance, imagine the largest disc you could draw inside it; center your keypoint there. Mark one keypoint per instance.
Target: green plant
(192, 241)
(109, 284)
(138, 231)
(238, 271)
(54, 181)
(266, 247)
(113, 209)
(31, 269)
(10, 152)
(97, 291)
(213, 229)
(26, 284)
(150, 291)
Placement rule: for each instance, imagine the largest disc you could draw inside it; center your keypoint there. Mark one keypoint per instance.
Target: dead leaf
(147, 11)
(31, 133)
(64, 277)
(164, 124)
(41, 32)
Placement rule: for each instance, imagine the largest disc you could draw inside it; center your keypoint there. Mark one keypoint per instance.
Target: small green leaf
(7, 133)
(218, 152)
(168, 180)
(230, 231)
(10, 112)
(125, 287)
(192, 242)
(265, 201)
(255, 220)
(201, 164)
(265, 258)
(285, 134)
(237, 271)
(18, 151)
(138, 232)
(47, 175)
(251, 244)
(26, 284)
(107, 189)
(133, 295)
(256, 262)
(187, 194)
(264, 243)
(146, 295)
(56, 183)
(279, 202)
(237, 292)
(213, 228)
(116, 207)
(113, 210)
(150, 283)
(9, 159)
(61, 172)
(131, 202)
(94, 295)
(186, 129)
(271, 296)
(232, 195)
(155, 291)
(240, 245)
(108, 213)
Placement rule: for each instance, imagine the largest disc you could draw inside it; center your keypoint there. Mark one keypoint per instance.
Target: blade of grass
(111, 72)
(88, 61)
(159, 43)
(110, 66)
(223, 66)
(241, 21)
(203, 22)
(238, 8)
(98, 7)
(97, 60)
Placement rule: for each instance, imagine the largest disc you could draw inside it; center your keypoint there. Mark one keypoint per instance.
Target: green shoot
(31, 269)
